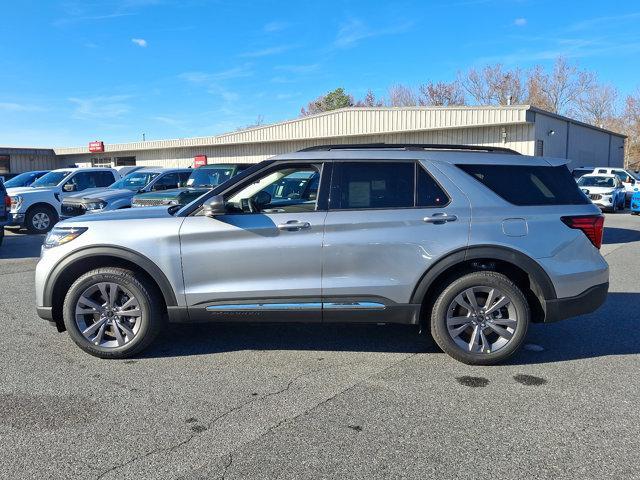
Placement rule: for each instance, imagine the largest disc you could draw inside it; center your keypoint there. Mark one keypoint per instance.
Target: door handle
(440, 218)
(293, 225)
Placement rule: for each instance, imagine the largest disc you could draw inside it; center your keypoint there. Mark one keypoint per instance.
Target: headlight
(61, 235)
(16, 202)
(99, 205)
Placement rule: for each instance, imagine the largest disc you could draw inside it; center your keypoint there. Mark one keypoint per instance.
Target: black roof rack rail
(410, 146)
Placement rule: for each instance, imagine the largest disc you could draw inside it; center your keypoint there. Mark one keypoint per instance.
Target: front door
(388, 222)
(262, 260)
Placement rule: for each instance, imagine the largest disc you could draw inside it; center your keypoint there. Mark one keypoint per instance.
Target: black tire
(152, 313)
(32, 215)
(440, 332)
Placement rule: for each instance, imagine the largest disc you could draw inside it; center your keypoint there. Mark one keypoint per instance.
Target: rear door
(388, 221)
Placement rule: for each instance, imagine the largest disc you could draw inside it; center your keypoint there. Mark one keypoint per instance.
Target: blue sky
(74, 71)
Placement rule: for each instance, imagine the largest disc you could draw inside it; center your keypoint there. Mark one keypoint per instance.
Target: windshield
(51, 179)
(210, 177)
(596, 182)
(135, 181)
(21, 180)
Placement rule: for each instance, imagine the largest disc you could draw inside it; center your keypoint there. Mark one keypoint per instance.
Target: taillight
(7, 201)
(591, 225)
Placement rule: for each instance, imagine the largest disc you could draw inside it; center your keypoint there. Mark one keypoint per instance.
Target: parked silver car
(472, 243)
(120, 194)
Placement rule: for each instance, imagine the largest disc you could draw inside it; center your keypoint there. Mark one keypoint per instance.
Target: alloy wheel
(108, 315)
(481, 320)
(41, 221)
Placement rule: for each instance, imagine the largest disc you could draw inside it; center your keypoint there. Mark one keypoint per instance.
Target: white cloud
(141, 42)
(299, 69)
(204, 77)
(520, 22)
(353, 31)
(113, 106)
(272, 27)
(265, 52)
(18, 107)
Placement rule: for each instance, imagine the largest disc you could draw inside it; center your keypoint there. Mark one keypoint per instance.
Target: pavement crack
(226, 466)
(211, 424)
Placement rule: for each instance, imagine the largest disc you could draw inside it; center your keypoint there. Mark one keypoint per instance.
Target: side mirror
(214, 206)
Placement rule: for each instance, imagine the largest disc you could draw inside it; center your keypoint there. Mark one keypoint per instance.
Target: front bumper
(588, 301)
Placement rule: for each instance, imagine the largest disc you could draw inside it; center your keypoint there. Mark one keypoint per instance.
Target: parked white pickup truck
(37, 207)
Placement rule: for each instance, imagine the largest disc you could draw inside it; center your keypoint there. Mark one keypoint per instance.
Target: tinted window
(429, 194)
(170, 180)
(211, 176)
(529, 185)
(374, 185)
(184, 178)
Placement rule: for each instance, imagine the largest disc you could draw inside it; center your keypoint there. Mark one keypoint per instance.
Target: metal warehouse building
(523, 128)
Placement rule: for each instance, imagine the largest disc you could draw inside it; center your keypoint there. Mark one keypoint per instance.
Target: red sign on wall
(96, 146)
(199, 160)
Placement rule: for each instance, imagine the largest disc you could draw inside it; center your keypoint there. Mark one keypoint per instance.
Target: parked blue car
(25, 179)
(635, 203)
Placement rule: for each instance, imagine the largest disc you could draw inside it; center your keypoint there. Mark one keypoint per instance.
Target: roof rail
(410, 146)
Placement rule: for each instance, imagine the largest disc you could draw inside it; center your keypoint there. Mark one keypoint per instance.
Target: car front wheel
(480, 318)
(112, 313)
(40, 219)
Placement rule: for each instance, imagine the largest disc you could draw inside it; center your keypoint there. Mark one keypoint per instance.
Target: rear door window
(373, 185)
(529, 185)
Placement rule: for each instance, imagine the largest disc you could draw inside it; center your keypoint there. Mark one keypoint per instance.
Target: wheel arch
(70, 268)
(519, 267)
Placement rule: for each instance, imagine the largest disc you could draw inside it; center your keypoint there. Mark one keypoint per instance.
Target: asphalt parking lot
(342, 402)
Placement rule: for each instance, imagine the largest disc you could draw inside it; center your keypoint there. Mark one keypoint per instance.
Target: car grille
(71, 210)
(595, 196)
(150, 202)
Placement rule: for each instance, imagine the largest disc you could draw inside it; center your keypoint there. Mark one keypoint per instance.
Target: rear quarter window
(529, 185)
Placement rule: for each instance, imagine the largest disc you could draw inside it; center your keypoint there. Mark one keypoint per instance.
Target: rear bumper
(15, 220)
(588, 301)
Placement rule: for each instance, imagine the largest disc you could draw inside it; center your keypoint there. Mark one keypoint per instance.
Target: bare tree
(560, 91)
(492, 85)
(631, 122)
(369, 100)
(258, 123)
(597, 105)
(401, 96)
(442, 94)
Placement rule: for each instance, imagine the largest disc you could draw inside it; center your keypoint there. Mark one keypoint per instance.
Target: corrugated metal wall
(347, 122)
(21, 162)
(518, 137)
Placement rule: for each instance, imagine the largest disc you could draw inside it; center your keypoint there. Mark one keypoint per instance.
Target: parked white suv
(37, 207)
(628, 179)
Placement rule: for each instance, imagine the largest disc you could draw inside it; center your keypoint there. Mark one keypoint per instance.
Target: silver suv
(473, 243)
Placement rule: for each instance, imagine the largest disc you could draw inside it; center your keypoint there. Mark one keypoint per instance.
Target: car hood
(599, 190)
(96, 194)
(22, 190)
(126, 214)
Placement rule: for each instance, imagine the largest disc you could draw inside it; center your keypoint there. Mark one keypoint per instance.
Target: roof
(353, 121)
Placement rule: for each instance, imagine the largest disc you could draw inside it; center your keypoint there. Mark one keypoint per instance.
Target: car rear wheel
(40, 219)
(112, 313)
(480, 318)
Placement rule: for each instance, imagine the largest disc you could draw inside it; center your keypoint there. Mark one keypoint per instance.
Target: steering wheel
(247, 205)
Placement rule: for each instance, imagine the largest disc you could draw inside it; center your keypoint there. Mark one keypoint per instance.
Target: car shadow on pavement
(203, 339)
(620, 235)
(612, 330)
(21, 245)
